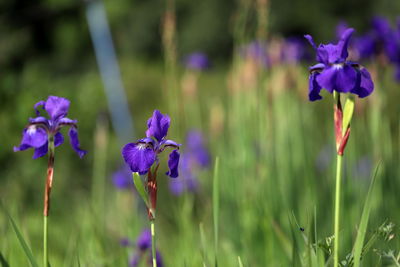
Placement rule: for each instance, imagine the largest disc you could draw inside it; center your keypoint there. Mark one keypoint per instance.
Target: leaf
(21, 240)
(3, 261)
(240, 262)
(347, 113)
(216, 206)
(358, 245)
(140, 188)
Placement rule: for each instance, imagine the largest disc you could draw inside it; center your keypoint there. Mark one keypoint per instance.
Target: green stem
(153, 242)
(45, 241)
(337, 210)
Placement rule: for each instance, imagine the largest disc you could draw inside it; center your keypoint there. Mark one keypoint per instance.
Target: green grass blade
(140, 188)
(358, 245)
(21, 239)
(216, 206)
(3, 261)
(240, 262)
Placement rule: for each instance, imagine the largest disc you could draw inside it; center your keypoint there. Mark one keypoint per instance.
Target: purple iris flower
(41, 129)
(142, 154)
(294, 50)
(122, 178)
(197, 61)
(195, 157)
(334, 72)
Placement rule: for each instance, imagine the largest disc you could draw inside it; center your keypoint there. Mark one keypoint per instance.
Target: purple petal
(37, 105)
(56, 107)
(310, 40)
(158, 125)
(365, 85)
(67, 121)
(341, 78)
(314, 88)
(22, 147)
(40, 151)
(134, 261)
(73, 138)
(144, 240)
(58, 139)
(197, 61)
(344, 42)
(346, 79)
(33, 136)
(39, 120)
(139, 156)
(173, 163)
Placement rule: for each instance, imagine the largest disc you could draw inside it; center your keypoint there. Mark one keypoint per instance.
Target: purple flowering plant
(338, 75)
(142, 157)
(334, 72)
(43, 135)
(197, 61)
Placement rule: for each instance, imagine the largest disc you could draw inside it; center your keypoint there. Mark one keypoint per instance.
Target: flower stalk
(47, 191)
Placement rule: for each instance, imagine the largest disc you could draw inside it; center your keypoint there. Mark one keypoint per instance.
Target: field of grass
(270, 202)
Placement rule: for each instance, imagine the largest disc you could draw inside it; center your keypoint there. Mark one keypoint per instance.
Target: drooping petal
(73, 137)
(139, 156)
(346, 79)
(58, 139)
(40, 151)
(67, 121)
(158, 125)
(56, 107)
(33, 136)
(341, 78)
(21, 147)
(314, 88)
(173, 163)
(168, 143)
(37, 105)
(364, 86)
(39, 120)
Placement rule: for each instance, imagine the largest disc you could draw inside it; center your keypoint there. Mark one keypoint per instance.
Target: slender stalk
(47, 191)
(337, 210)
(45, 242)
(153, 243)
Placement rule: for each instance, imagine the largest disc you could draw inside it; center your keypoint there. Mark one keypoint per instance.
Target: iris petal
(314, 88)
(365, 86)
(173, 163)
(40, 151)
(56, 107)
(58, 139)
(138, 156)
(34, 136)
(73, 137)
(158, 125)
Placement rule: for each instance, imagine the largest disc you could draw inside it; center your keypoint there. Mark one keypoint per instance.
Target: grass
(277, 158)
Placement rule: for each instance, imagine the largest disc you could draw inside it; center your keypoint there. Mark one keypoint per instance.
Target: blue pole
(110, 74)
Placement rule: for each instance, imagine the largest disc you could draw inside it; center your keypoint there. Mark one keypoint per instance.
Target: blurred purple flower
(197, 61)
(195, 157)
(363, 167)
(122, 178)
(334, 72)
(256, 51)
(294, 50)
(40, 129)
(142, 154)
(341, 27)
(143, 245)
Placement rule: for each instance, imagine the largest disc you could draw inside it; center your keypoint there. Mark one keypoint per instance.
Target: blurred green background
(275, 148)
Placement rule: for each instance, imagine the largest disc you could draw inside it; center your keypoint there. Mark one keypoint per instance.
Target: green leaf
(216, 206)
(21, 240)
(140, 188)
(347, 113)
(3, 261)
(358, 245)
